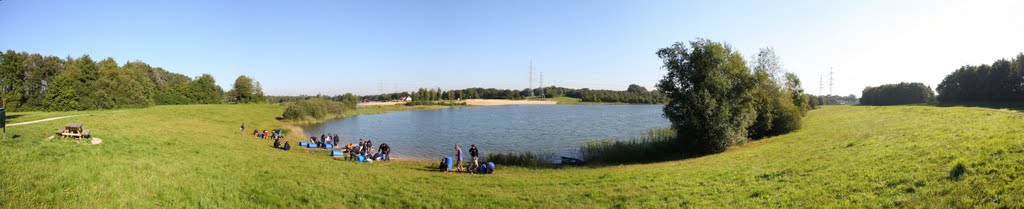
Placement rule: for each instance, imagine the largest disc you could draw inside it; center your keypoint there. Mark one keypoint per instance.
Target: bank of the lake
(366, 110)
(557, 130)
(193, 156)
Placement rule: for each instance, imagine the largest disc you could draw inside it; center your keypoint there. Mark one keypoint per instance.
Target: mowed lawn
(194, 156)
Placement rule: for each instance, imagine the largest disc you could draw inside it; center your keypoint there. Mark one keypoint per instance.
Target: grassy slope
(193, 156)
(565, 100)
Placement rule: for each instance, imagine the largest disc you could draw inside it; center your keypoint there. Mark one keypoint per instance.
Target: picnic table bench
(73, 130)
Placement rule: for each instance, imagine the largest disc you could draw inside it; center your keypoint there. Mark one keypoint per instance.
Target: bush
(315, 108)
(170, 98)
(776, 107)
(897, 94)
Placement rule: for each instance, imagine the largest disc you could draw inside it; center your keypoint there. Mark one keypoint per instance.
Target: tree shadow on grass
(1015, 106)
(13, 116)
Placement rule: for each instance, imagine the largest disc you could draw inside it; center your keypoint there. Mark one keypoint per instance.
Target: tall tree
(12, 79)
(633, 88)
(204, 90)
(63, 92)
(246, 90)
(709, 88)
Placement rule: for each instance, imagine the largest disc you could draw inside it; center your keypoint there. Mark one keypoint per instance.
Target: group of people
(325, 139)
(286, 146)
(474, 154)
(273, 134)
(367, 151)
(276, 134)
(363, 148)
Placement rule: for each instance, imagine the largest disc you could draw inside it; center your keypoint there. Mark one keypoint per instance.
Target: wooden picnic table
(73, 126)
(74, 130)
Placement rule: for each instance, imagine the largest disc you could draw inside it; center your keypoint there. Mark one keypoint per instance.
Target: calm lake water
(558, 129)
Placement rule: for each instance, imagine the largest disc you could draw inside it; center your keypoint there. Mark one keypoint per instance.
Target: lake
(558, 129)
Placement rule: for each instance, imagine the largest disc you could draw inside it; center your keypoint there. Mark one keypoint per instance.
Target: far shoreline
(473, 102)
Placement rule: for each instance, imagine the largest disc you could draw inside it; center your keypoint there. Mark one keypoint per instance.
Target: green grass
(565, 100)
(845, 156)
(17, 117)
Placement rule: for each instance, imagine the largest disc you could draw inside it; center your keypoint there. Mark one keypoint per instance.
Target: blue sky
(333, 47)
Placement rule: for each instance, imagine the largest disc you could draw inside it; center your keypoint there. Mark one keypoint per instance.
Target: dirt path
(43, 120)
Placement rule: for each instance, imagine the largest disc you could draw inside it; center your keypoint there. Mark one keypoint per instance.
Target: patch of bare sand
(490, 102)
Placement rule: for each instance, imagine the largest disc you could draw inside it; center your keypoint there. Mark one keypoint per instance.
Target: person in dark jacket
(385, 151)
(277, 143)
(475, 155)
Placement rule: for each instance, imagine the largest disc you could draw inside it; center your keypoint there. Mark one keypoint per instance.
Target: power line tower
(831, 80)
(531, 78)
(821, 84)
(381, 89)
(541, 84)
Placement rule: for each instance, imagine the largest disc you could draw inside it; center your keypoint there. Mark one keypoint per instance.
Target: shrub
(897, 94)
(315, 108)
(777, 108)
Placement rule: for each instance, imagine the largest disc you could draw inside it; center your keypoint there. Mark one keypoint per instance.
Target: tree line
(1003, 81)
(818, 100)
(346, 98)
(715, 100)
(634, 94)
(32, 82)
(897, 94)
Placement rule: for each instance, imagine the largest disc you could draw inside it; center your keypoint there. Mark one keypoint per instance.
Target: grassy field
(564, 100)
(194, 156)
(18, 117)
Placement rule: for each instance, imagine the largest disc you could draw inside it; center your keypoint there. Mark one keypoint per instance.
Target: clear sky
(333, 47)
